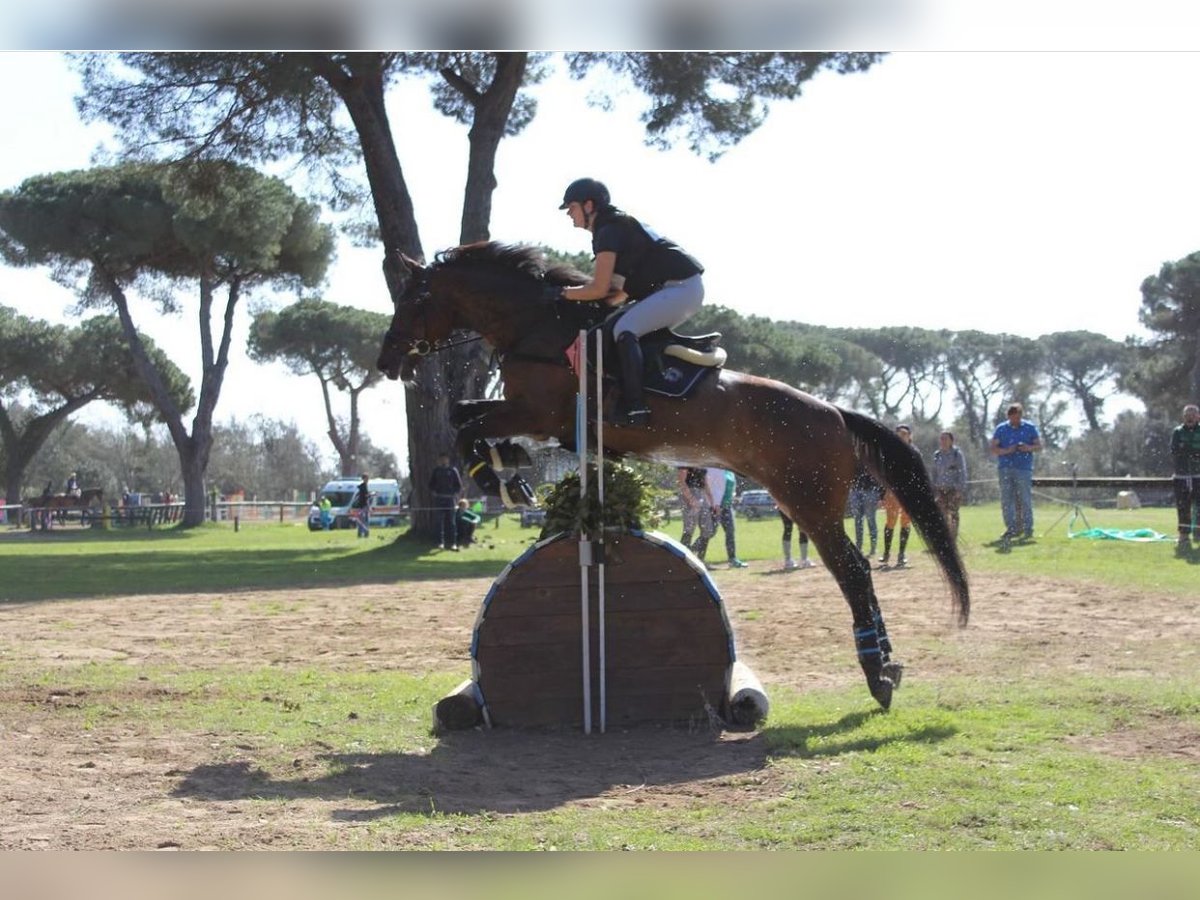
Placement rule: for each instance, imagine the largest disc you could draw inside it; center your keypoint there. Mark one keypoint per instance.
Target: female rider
(632, 262)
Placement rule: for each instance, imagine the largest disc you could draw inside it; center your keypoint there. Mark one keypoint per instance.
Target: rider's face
(577, 214)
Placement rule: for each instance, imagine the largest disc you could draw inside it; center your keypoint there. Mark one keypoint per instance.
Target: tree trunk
(193, 449)
(335, 436)
(192, 466)
(1091, 409)
(21, 447)
(492, 109)
(468, 368)
(428, 402)
(1194, 375)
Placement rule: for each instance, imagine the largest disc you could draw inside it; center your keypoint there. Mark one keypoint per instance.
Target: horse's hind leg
(853, 574)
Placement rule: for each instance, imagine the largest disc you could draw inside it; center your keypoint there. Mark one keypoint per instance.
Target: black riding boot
(632, 410)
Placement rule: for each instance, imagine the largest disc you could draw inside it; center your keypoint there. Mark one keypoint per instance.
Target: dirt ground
(124, 785)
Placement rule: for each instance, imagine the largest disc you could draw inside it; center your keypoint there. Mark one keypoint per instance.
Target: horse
(803, 450)
(56, 505)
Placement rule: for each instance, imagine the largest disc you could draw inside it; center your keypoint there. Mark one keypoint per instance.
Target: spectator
(893, 510)
(446, 485)
(1185, 454)
(465, 521)
(1013, 444)
(362, 503)
(949, 480)
(722, 485)
(697, 509)
(801, 542)
(864, 500)
(325, 509)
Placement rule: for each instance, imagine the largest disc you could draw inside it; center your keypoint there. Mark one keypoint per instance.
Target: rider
(632, 262)
(73, 485)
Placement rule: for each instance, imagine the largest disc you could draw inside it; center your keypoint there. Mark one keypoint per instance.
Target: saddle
(674, 363)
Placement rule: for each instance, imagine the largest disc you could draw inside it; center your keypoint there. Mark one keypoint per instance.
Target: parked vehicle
(385, 502)
(753, 504)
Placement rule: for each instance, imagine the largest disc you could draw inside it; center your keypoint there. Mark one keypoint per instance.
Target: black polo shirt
(645, 259)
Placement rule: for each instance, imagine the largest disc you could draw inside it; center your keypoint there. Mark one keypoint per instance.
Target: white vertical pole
(600, 498)
(584, 545)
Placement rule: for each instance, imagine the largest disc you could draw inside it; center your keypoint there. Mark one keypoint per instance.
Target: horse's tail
(900, 469)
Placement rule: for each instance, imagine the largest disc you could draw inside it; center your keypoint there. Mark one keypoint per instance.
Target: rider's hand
(615, 298)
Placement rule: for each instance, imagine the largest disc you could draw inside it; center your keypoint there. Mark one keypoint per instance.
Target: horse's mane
(524, 259)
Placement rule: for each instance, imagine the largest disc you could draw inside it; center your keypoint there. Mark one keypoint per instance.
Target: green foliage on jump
(628, 503)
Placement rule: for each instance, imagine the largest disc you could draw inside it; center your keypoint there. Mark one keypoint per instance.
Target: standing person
(801, 543)
(1185, 454)
(446, 485)
(1013, 444)
(722, 485)
(949, 480)
(632, 261)
(362, 503)
(325, 510)
(893, 511)
(697, 509)
(864, 500)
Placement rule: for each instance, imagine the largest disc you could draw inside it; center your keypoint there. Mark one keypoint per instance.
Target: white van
(385, 502)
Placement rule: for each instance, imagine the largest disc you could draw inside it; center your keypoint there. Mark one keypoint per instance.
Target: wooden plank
(567, 656)
(518, 713)
(628, 560)
(562, 711)
(519, 600)
(622, 683)
(648, 628)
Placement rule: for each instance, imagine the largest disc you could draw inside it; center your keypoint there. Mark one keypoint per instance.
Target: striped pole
(585, 554)
(600, 499)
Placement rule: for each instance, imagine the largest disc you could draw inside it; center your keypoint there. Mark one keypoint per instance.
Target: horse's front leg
(503, 419)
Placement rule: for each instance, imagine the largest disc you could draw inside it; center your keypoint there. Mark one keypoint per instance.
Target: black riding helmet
(582, 189)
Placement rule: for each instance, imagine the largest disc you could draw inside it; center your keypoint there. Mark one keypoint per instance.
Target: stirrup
(637, 419)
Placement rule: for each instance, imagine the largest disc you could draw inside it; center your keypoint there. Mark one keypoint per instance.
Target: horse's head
(417, 323)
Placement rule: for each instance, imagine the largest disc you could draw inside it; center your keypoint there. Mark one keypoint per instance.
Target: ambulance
(385, 502)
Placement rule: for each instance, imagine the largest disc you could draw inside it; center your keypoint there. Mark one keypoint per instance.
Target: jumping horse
(802, 450)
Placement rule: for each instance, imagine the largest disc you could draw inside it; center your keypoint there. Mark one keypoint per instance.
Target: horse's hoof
(518, 491)
(893, 671)
(881, 690)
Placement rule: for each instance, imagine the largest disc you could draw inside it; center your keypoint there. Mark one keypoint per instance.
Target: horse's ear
(397, 271)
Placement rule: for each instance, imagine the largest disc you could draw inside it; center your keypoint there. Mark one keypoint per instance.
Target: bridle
(422, 347)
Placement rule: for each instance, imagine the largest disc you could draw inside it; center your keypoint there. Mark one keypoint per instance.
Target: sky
(1007, 191)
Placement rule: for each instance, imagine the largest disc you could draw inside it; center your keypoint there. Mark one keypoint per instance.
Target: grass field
(71, 562)
(1019, 743)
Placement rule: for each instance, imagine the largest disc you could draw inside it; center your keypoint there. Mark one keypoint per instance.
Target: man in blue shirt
(1013, 444)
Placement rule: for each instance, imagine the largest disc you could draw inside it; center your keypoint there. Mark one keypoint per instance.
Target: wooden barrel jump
(669, 648)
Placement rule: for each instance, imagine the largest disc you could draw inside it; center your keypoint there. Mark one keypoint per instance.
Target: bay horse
(55, 506)
(802, 450)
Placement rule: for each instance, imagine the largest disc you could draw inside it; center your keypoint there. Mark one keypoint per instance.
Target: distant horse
(57, 505)
(802, 450)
